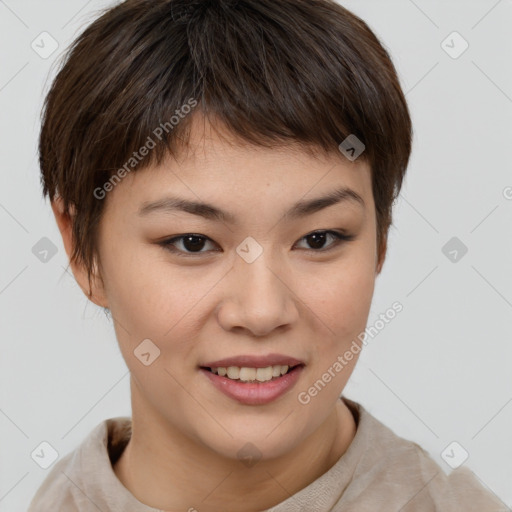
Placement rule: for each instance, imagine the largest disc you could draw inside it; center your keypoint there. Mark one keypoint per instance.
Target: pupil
(196, 243)
(191, 245)
(316, 238)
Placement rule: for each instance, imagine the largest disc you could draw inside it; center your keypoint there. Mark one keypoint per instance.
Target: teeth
(264, 374)
(233, 372)
(246, 374)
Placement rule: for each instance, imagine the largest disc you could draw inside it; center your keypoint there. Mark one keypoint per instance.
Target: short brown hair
(273, 72)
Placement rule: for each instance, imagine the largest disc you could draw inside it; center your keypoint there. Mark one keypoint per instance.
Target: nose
(258, 297)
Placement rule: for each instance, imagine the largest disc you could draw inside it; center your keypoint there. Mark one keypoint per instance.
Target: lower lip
(255, 393)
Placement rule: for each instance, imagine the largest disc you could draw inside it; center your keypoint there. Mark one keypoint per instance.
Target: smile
(246, 374)
(253, 386)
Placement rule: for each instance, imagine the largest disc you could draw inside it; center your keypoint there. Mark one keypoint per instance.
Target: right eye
(189, 242)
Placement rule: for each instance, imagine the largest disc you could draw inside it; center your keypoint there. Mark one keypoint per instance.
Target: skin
(290, 300)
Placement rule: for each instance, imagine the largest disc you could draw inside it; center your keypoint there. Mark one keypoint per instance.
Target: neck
(164, 469)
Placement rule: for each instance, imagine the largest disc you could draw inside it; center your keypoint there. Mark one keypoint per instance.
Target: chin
(262, 440)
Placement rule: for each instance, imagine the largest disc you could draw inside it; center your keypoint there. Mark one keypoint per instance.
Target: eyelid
(340, 236)
(167, 244)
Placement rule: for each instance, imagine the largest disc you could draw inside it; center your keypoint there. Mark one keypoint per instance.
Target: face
(265, 279)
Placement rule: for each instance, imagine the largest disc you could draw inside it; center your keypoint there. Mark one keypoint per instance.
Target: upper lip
(249, 361)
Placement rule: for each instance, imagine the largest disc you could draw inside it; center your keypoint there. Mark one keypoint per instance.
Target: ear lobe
(94, 290)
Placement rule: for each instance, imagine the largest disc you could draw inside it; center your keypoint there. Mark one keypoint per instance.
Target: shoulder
(71, 483)
(401, 473)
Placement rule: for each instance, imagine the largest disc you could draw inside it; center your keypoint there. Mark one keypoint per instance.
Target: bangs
(272, 73)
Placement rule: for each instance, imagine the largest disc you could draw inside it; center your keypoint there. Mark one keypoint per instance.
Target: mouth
(252, 375)
(254, 380)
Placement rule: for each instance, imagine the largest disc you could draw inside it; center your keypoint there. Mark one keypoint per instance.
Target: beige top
(379, 472)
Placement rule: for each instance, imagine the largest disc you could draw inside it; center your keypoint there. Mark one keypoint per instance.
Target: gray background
(438, 373)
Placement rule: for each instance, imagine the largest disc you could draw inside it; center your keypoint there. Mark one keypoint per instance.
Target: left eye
(193, 243)
(318, 238)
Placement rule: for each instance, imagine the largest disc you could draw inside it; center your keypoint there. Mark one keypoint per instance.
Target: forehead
(216, 166)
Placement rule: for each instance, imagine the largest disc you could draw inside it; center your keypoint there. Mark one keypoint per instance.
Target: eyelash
(338, 236)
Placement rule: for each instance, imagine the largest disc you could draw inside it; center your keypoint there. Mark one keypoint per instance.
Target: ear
(381, 254)
(96, 290)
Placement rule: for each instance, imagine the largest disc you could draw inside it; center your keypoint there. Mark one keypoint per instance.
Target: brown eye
(190, 244)
(317, 240)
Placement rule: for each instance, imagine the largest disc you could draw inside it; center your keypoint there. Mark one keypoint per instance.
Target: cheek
(342, 298)
(151, 299)
(154, 299)
(343, 304)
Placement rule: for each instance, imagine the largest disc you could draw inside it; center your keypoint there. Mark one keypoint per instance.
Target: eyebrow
(211, 212)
